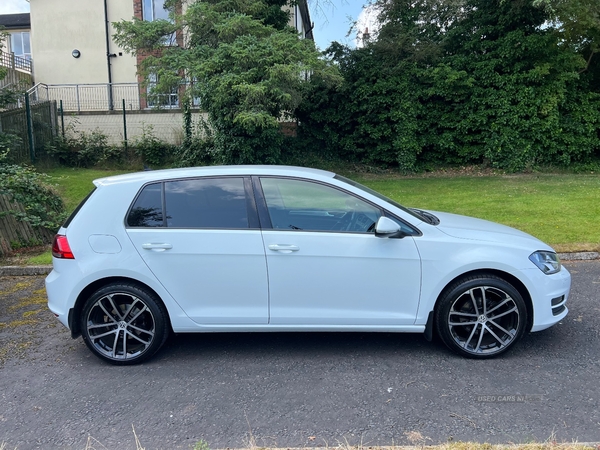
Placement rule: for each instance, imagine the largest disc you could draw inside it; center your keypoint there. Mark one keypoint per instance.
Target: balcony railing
(15, 62)
(102, 97)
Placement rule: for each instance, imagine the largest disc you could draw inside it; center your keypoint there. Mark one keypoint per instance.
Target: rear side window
(206, 203)
(194, 203)
(147, 211)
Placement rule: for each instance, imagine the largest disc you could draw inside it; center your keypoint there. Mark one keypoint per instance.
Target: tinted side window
(206, 203)
(147, 209)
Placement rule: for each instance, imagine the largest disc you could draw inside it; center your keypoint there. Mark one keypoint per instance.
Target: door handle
(157, 247)
(284, 248)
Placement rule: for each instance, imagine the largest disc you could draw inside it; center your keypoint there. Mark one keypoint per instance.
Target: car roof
(165, 174)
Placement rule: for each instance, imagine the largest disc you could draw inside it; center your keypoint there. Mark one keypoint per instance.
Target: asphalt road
(295, 389)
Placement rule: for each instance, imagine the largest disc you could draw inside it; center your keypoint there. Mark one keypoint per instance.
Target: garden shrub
(43, 206)
(83, 149)
(152, 150)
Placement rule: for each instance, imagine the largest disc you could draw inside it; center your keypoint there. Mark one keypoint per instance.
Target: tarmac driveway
(295, 389)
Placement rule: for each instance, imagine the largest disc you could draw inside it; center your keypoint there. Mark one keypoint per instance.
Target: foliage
(8, 95)
(7, 140)
(455, 82)
(198, 147)
(82, 149)
(247, 67)
(43, 206)
(152, 150)
(524, 106)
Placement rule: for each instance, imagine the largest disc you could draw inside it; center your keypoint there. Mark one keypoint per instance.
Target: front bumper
(549, 294)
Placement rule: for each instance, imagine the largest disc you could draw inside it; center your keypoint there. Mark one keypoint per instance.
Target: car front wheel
(481, 316)
(124, 324)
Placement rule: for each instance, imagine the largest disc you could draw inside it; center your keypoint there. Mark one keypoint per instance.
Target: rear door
(201, 239)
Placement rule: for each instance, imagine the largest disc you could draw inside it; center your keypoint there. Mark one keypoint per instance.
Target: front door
(327, 267)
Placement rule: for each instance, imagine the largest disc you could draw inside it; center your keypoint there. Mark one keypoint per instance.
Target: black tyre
(124, 324)
(481, 316)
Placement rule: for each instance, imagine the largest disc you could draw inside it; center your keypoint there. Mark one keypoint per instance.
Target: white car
(268, 248)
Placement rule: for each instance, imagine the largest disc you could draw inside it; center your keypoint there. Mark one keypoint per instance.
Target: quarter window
(304, 205)
(147, 211)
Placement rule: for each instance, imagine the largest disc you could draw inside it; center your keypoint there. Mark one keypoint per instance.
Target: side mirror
(386, 227)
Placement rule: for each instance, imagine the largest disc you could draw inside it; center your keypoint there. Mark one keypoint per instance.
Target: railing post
(124, 126)
(77, 97)
(111, 104)
(29, 129)
(62, 119)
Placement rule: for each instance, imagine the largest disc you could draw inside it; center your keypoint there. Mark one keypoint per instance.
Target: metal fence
(89, 97)
(104, 96)
(34, 126)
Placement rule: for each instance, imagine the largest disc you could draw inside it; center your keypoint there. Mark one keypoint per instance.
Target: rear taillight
(61, 248)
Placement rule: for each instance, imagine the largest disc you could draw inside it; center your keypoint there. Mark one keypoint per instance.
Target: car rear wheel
(481, 316)
(124, 324)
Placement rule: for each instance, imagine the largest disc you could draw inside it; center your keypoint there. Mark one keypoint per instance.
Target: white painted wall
(60, 26)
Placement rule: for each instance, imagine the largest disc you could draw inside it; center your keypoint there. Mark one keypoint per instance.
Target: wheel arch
(509, 278)
(75, 312)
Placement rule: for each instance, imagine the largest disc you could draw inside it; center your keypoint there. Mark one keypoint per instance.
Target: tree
(462, 82)
(527, 105)
(379, 115)
(247, 67)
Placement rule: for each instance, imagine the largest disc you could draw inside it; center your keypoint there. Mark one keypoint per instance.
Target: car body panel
(216, 276)
(224, 280)
(342, 279)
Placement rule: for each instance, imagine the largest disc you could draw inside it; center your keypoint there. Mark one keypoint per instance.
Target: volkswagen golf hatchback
(267, 248)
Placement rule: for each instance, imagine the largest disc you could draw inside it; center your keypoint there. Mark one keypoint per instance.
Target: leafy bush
(43, 206)
(82, 149)
(198, 147)
(490, 83)
(7, 140)
(152, 150)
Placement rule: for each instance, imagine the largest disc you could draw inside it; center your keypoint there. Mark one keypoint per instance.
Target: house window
(154, 10)
(20, 44)
(161, 100)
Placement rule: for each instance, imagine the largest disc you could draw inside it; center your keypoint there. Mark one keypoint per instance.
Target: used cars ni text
(272, 248)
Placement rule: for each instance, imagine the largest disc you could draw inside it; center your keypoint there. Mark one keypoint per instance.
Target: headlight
(547, 262)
